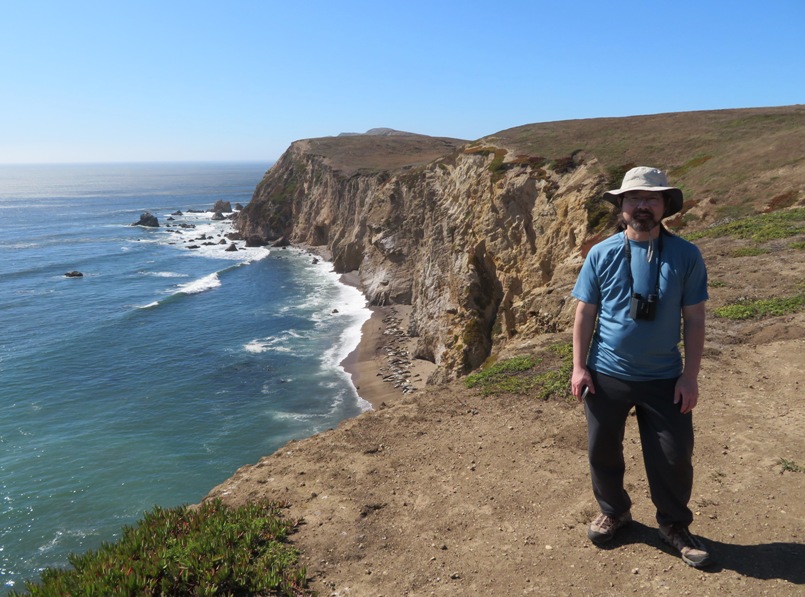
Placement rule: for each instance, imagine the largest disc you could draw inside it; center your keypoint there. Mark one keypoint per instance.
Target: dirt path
(449, 493)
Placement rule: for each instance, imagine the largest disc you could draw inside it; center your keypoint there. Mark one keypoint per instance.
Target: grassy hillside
(728, 162)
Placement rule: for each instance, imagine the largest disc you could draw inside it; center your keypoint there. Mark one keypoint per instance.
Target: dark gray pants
(666, 437)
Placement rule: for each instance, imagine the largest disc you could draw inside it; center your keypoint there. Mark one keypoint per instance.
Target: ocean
(164, 368)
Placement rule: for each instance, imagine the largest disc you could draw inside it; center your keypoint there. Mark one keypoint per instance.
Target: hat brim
(674, 197)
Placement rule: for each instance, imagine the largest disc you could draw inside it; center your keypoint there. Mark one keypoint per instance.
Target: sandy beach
(382, 366)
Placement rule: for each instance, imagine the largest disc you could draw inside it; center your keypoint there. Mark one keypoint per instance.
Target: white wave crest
(282, 343)
(200, 285)
(163, 274)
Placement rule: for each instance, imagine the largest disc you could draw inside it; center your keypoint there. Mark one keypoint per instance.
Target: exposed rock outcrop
(484, 239)
(148, 220)
(484, 252)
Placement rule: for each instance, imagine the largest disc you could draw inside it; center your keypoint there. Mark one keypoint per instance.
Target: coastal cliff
(449, 491)
(483, 249)
(484, 239)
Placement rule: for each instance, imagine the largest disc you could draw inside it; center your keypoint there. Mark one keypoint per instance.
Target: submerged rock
(73, 274)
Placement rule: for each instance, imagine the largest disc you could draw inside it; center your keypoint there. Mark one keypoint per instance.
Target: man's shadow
(763, 561)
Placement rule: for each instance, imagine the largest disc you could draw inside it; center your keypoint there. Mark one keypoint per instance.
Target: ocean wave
(149, 305)
(162, 274)
(21, 245)
(201, 285)
(282, 343)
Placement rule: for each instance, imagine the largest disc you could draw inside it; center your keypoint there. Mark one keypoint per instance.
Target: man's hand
(686, 393)
(583, 325)
(581, 377)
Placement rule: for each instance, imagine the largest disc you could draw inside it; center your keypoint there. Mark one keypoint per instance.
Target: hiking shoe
(604, 527)
(693, 552)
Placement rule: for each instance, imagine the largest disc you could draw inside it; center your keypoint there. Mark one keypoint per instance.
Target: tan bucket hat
(644, 178)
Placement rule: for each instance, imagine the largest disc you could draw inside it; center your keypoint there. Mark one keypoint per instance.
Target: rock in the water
(222, 205)
(74, 274)
(218, 215)
(147, 219)
(232, 247)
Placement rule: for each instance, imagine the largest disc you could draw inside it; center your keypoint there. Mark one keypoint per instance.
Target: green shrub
(760, 228)
(749, 309)
(790, 466)
(555, 383)
(504, 376)
(211, 550)
(521, 375)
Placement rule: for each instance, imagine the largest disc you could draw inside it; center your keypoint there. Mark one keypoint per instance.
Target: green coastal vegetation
(759, 228)
(544, 376)
(209, 550)
(755, 309)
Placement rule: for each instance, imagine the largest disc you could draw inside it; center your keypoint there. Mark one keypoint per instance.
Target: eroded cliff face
(484, 245)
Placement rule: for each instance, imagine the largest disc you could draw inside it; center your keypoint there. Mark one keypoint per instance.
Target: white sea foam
(267, 345)
(163, 274)
(22, 245)
(150, 305)
(282, 343)
(206, 235)
(200, 285)
(244, 254)
(331, 298)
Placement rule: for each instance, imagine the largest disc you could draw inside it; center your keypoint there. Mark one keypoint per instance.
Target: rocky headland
(467, 251)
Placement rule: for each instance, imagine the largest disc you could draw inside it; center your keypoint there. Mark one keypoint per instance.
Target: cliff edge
(449, 492)
(484, 239)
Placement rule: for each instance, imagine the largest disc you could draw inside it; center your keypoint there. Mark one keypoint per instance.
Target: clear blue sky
(175, 80)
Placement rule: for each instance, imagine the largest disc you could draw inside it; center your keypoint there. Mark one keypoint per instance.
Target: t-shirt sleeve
(695, 290)
(586, 288)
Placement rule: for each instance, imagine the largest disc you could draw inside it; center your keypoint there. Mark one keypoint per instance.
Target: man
(634, 290)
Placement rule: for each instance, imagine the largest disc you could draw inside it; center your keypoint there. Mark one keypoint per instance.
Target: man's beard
(643, 221)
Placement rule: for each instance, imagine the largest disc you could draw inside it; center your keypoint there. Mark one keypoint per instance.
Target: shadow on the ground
(763, 561)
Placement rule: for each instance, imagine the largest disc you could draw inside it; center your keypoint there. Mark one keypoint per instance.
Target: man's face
(642, 211)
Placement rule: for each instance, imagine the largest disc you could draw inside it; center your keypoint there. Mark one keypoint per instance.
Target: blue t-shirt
(640, 350)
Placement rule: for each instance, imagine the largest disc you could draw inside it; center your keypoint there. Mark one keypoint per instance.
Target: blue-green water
(163, 369)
